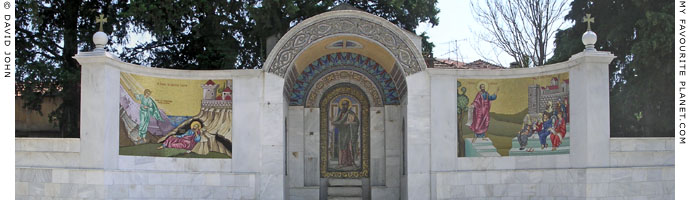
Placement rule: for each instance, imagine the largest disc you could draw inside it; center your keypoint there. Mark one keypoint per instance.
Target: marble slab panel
(311, 147)
(418, 186)
(47, 144)
(378, 172)
(47, 159)
(295, 128)
(385, 193)
(246, 134)
(296, 169)
(443, 123)
(271, 186)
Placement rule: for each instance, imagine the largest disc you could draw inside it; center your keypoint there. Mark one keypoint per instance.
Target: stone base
(481, 147)
(344, 189)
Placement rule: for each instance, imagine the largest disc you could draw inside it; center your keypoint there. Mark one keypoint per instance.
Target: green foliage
(217, 34)
(427, 46)
(407, 14)
(185, 34)
(277, 16)
(48, 34)
(640, 34)
(191, 34)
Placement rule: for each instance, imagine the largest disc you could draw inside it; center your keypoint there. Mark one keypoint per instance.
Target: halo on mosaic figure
(480, 83)
(343, 100)
(195, 123)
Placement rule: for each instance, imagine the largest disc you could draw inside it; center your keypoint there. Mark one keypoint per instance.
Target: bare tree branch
(520, 28)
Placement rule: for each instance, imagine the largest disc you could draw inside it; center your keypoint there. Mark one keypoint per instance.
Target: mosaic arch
(343, 76)
(343, 61)
(344, 22)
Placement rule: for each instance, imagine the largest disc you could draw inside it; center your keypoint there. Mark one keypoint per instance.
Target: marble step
(344, 198)
(489, 154)
(344, 182)
(344, 191)
(534, 144)
(480, 148)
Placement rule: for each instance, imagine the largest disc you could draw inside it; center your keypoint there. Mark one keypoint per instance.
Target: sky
(456, 35)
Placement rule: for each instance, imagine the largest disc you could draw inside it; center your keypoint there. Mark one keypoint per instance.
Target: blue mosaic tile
(328, 63)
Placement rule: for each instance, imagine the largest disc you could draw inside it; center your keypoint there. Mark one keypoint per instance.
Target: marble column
(98, 130)
(418, 148)
(589, 106)
(273, 111)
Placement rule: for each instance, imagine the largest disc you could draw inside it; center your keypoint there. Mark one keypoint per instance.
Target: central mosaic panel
(344, 139)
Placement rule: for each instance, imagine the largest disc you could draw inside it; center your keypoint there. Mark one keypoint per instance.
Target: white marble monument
(288, 144)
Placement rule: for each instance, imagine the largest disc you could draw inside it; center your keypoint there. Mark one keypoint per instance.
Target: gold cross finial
(101, 20)
(588, 19)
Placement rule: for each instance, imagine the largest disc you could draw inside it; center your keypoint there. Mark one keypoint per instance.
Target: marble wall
(69, 183)
(624, 179)
(598, 167)
(413, 146)
(90, 167)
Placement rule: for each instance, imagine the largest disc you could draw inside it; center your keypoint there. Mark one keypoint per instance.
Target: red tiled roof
(453, 64)
(227, 89)
(210, 82)
(481, 64)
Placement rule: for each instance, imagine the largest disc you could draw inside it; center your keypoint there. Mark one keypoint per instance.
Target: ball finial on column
(100, 38)
(589, 38)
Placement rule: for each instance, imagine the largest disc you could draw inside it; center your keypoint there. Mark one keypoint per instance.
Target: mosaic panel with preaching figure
(344, 122)
(175, 117)
(513, 117)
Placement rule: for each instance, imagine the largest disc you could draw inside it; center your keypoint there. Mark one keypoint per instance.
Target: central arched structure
(362, 57)
(345, 22)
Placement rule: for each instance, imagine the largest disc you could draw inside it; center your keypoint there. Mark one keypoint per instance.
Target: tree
(49, 33)
(219, 34)
(277, 16)
(640, 34)
(522, 29)
(190, 34)
(427, 46)
(185, 34)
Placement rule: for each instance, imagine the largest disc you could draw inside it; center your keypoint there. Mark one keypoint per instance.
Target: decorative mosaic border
(342, 61)
(356, 92)
(343, 76)
(339, 23)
